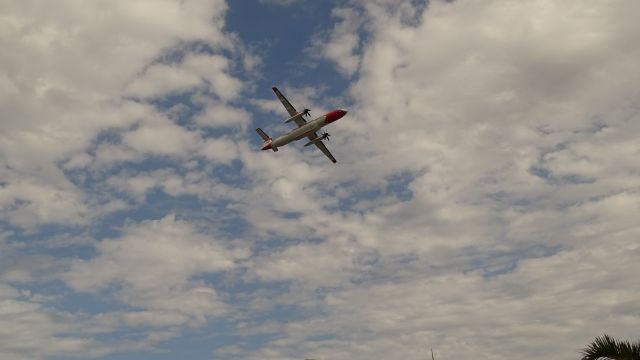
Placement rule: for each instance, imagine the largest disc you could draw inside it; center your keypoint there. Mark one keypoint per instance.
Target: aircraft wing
(322, 147)
(287, 105)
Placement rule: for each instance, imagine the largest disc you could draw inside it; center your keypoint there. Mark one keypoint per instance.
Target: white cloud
(515, 124)
(209, 72)
(40, 203)
(280, 2)
(30, 332)
(109, 154)
(68, 73)
(222, 115)
(153, 264)
(161, 79)
(64, 73)
(343, 42)
(468, 316)
(162, 137)
(222, 150)
(214, 69)
(512, 127)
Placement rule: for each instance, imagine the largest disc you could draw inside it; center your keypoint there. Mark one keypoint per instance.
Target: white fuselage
(300, 132)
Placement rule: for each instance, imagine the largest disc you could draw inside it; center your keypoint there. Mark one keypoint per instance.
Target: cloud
(483, 204)
(152, 266)
(279, 2)
(343, 42)
(161, 137)
(511, 128)
(65, 78)
(209, 72)
(221, 115)
(33, 331)
(82, 89)
(468, 316)
(221, 150)
(160, 79)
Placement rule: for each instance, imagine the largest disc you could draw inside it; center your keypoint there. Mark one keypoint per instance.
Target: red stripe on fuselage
(267, 145)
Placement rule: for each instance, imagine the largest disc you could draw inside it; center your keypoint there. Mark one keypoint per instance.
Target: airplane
(304, 129)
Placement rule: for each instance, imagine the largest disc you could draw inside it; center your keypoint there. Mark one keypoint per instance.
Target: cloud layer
(484, 203)
(499, 139)
(82, 89)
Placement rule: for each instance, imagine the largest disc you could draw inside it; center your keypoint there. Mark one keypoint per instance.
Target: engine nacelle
(318, 139)
(294, 117)
(297, 116)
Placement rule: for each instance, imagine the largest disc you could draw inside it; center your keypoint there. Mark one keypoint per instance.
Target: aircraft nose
(334, 115)
(344, 112)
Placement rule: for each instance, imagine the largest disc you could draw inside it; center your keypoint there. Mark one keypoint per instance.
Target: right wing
(322, 147)
(287, 105)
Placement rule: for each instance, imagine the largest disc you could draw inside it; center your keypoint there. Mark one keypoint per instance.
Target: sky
(485, 201)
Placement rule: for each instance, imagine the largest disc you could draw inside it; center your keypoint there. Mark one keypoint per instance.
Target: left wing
(287, 105)
(322, 147)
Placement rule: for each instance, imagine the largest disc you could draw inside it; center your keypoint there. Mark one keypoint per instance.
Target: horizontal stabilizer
(262, 134)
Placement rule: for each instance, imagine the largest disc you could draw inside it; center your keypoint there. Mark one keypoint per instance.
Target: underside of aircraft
(308, 129)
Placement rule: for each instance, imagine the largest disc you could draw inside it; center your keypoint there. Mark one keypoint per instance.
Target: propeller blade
(306, 112)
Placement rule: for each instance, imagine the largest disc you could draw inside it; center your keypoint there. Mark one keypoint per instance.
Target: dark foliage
(606, 347)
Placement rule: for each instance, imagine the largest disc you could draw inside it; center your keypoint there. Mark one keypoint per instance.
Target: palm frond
(606, 347)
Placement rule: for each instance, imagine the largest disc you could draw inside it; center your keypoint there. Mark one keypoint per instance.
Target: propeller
(325, 136)
(306, 112)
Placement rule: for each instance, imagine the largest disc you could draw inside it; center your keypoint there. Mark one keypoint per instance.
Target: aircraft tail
(263, 134)
(267, 140)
